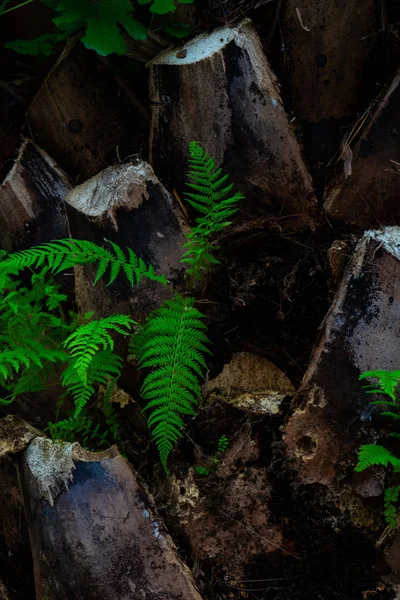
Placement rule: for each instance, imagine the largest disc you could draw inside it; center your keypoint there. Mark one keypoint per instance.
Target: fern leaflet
(371, 454)
(387, 382)
(87, 339)
(64, 254)
(391, 499)
(211, 196)
(173, 346)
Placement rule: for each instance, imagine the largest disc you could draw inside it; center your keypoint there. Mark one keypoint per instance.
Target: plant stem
(15, 7)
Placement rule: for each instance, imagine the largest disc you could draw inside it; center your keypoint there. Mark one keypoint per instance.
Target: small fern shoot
(64, 254)
(211, 195)
(173, 345)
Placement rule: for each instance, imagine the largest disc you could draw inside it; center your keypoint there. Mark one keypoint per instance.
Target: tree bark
(329, 415)
(94, 530)
(331, 46)
(220, 91)
(32, 195)
(80, 116)
(369, 196)
(127, 204)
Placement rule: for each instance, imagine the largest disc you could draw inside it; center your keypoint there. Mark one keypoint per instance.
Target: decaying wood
(32, 195)
(220, 91)
(231, 524)
(369, 197)
(80, 118)
(329, 419)
(250, 383)
(127, 204)
(15, 435)
(331, 53)
(94, 529)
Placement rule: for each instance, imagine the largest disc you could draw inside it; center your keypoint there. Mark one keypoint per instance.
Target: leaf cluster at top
(102, 21)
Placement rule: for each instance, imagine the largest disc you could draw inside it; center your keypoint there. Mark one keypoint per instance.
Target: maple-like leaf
(102, 19)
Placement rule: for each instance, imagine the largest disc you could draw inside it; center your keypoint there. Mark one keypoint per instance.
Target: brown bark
(328, 419)
(80, 116)
(32, 195)
(331, 50)
(369, 196)
(94, 529)
(220, 91)
(127, 204)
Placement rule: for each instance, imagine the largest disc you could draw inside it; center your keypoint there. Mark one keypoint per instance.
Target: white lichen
(50, 464)
(388, 238)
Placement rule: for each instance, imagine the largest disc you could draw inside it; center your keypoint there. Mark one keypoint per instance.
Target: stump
(220, 91)
(32, 195)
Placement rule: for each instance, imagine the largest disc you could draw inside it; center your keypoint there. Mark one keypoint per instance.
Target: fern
(387, 382)
(173, 346)
(86, 341)
(211, 196)
(371, 454)
(64, 254)
(391, 499)
(103, 367)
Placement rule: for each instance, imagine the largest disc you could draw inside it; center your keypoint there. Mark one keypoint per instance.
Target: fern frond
(173, 346)
(64, 254)
(212, 198)
(103, 367)
(387, 382)
(391, 499)
(371, 454)
(87, 340)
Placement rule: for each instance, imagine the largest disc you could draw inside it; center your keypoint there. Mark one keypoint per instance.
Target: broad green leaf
(102, 20)
(161, 7)
(44, 44)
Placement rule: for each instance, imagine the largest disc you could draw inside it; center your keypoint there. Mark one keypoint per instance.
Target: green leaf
(161, 7)
(101, 19)
(178, 30)
(44, 44)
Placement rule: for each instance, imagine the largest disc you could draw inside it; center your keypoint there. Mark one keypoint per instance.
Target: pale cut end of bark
(15, 435)
(228, 74)
(115, 187)
(100, 536)
(126, 204)
(359, 334)
(32, 196)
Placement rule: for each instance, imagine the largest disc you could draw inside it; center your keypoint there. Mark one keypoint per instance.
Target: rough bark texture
(369, 196)
(359, 333)
(330, 48)
(220, 91)
(93, 528)
(32, 196)
(127, 204)
(78, 116)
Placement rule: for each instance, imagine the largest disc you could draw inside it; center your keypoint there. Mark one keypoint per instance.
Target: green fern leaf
(64, 254)
(387, 382)
(371, 454)
(391, 499)
(172, 344)
(103, 367)
(88, 339)
(211, 198)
